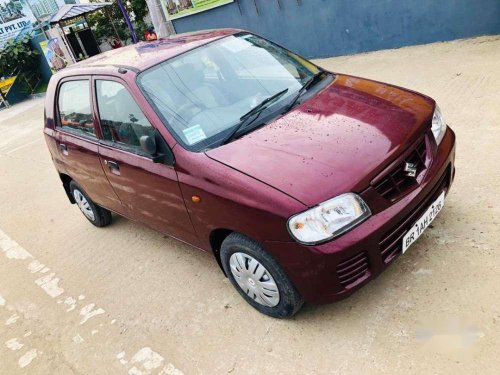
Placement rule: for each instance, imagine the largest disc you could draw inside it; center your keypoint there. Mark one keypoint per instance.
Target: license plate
(421, 225)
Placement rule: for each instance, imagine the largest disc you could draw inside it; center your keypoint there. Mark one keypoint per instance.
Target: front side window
(74, 108)
(122, 121)
(203, 94)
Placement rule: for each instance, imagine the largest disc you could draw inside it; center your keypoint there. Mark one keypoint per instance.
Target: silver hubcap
(84, 205)
(254, 279)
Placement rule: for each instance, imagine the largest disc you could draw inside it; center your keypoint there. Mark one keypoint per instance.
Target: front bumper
(334, 270)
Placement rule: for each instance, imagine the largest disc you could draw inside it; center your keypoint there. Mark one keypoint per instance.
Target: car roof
(143, 55)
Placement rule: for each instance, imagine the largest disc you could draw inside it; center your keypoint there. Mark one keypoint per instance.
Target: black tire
(290, 300)
(102, 216)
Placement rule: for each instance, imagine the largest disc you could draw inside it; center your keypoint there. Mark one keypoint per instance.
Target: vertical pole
(127, 20)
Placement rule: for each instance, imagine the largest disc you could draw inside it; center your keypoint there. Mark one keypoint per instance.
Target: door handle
(112, 165)
(64, 148)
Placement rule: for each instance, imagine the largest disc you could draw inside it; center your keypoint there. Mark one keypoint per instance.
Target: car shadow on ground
(366, 301)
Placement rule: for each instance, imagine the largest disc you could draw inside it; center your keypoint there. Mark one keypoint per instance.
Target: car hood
(335, 142)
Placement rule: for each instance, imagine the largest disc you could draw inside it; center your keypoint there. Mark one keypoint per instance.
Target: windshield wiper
(257, 110)
(303, 89)
(263, 105)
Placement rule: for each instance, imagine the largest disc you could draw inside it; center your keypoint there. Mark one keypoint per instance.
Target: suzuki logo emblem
(410, 169)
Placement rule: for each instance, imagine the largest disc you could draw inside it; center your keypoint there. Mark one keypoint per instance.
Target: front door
(149, 191)
(78, 145)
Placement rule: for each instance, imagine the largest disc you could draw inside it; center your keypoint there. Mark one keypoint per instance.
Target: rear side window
(74, 108)
(122, 121)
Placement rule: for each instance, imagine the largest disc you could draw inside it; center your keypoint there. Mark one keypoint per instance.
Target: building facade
(320, 28)
(43, 8)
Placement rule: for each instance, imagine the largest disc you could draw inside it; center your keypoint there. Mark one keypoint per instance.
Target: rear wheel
(258, 277)
(94, 213)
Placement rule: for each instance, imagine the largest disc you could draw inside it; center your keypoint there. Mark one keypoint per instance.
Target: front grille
(396, 183)
(353, 270)
(391, 243)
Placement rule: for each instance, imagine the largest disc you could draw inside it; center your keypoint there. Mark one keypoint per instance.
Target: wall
(320, 28)
(43, 65)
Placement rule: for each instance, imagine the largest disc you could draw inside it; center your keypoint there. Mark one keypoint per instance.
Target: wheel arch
(65, 179)
(216, 238)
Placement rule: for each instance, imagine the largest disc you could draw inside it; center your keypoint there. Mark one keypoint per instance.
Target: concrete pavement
(75, 299)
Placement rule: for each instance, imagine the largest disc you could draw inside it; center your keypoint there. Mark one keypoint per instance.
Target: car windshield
(203, 94)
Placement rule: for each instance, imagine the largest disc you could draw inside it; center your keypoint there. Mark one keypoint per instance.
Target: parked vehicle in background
(304, 184)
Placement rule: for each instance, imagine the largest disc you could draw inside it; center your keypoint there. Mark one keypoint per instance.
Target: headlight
(329, 219)
(438, 125)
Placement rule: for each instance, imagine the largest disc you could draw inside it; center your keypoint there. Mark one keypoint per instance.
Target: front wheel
(94, 213)
(258, 277)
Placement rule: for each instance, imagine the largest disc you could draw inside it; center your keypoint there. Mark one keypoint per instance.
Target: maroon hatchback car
(303, 183)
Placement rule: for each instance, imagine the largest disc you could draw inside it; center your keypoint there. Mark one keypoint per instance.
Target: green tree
(109, 21)
(18, 55)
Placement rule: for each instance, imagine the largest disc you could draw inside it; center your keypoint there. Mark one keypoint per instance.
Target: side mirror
(157, 149)
(148, 145)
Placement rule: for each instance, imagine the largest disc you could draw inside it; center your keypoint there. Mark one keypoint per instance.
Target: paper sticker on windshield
(194, 134)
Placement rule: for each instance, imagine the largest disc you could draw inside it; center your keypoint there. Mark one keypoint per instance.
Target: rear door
(149, 191)
(77, 141)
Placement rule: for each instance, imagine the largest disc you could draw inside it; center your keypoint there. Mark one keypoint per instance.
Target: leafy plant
(18, 55)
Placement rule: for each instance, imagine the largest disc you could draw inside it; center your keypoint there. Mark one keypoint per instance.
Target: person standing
(150, 34)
